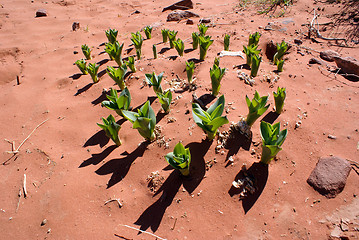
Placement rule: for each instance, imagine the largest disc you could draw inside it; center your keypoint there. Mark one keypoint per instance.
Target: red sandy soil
(72, 169)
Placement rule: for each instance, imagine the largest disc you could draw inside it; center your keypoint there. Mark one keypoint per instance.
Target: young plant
(250, 51)
(86, 51)
(116, 102)
(280, 64)
(216, 61)
(195, 40)
(137, 41)
(164, 35)
(81, 64)
(256, 108)
(281, 49)
(118, 75)
(111, 35)
(179, 45)
(226, 42)
(153, 80)
(114, 50)
(254, 39)
(216, 74)
(279, 98)
(144, 121)
(180, 159)
(204, 43)
(154, 50)
(148, 31)
(172, 37)
(111, 129)
(131, 64)
(211, 119)
(165, 100)
(273, 139)
(92, 69)
(256, 61)
(202, 28)
(190, 71)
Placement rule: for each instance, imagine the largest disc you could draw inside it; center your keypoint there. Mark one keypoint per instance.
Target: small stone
(347, 65)
(41, 13)
(268, 27)
(328, 55)
(332, 137)
(189, 22)
(43, 222)
(179, 15)
(76, 52)
(75, 26)
(316, 61)
(298, 41)
(205, 20)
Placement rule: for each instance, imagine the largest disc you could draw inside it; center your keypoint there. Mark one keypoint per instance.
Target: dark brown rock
(179, 15)
(347, 65)
(75, 26)
(181, 5)
(205, 20)
(316, 61)
(271, 49)
(41, 13)
(328, 55)
(189, 22)
(329, 176)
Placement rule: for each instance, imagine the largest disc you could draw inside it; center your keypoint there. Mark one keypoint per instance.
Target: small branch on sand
(24, 186)
(113, 200)
(143, 231)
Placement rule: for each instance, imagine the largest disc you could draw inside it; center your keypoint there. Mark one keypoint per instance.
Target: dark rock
(135, 12)
(179, 15)
(41, 13)
(181, 5)
(205, 20)
(271, 49)
(328, 55)
(316, 61)
(189, 22)
(347, 65)
(76, 52)
(75, 26)
(329, 176)
(298, 41)
(268, 27)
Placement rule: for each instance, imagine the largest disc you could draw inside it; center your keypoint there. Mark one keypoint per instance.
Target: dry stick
(174, 225)
(112, 200)
(17, 150)
(24, 186)
(143, 231)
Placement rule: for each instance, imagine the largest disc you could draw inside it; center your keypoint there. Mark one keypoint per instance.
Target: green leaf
(217, 122)
(220, 102)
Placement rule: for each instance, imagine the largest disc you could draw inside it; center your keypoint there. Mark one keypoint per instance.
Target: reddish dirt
(72, 169)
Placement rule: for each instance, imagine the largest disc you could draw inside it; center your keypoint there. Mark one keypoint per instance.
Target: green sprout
(154, 50)
(172, 37)
(195, 40)
(216, 61)
(281, 49)
(148, 31)
(226, 42)
(216, 74)
(118, 103)
(190, 66)
(153, 80)
(81, 64)
(204, 43)
(179, 45)
(131, 63)
(202, 28)
(279, 98)
(114, 50)
(86, 51)
(137, 41)
(165, 100)
(250, 51)
(254, 39)
(92, 69)
(111, 129)
(111, 35)
(180, 159)
(118, 75)
(256, 61)
(164, 35)
(256, 108)
(144, 121)
(280, 64)
(211, 119)
(273, 139)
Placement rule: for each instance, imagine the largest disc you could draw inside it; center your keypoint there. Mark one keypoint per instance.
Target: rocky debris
(205, 20)
(181, 5)
(347, 65)
(135, 12)
(328, 55)
(75, 26)
(316, 61)
(329, 176)
(332, 137)
(189, 22)
(41, 13)
(271, 49)
(43, 222)
(155, 181)
(180, 15)
(231, 54)
(268, 27)
(298, 41)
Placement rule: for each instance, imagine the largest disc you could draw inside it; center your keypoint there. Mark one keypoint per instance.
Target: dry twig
(143, 231)
(24, 186)
(113, 200)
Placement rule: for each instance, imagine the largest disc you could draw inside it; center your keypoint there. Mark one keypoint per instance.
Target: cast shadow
(100, 74)
(258, 173)
(120, 167)
(103, 61)
(98, 157)
(189, 50)
(84, 89)
(101, 98)
(163, 50)
(235, 141)
(76, 76)
(160, 115)
(195, 60)
(242, 66)
(270, 117)
(204, 100)
(173, 58)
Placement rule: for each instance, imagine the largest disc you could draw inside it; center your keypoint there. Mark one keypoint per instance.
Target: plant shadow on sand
(258, 174)
(152, 216)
